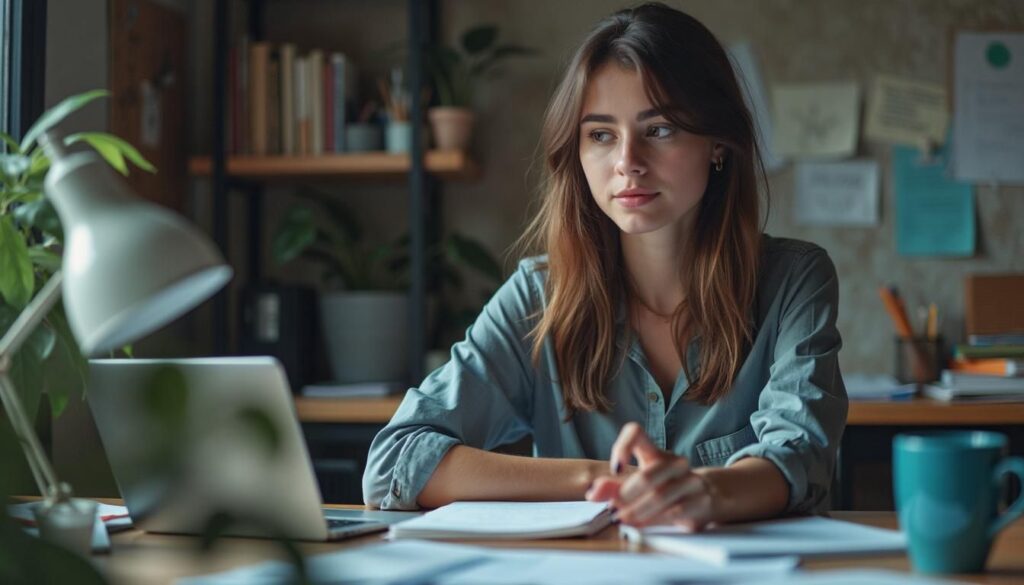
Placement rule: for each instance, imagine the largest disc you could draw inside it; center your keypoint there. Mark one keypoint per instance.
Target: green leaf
(474, 255)
(42, 341)
(67, 369)
(165, 397)
(27, 375)
(14, 165)
(56, 114)
(12, 144)
(479, 39)
(48, 261)
(296, 234)
(107, 145)
(340, 215)
(17, 281)
(40, 214)
(109, 151)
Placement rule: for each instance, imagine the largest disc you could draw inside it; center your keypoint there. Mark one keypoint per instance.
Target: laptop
(190, 438)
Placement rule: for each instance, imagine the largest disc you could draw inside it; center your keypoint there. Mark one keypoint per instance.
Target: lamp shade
(129, 266)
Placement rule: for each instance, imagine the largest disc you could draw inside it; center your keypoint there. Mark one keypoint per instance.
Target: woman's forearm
(466, 473)
(750, 489)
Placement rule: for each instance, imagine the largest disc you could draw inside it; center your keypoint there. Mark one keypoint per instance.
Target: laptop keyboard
(338, 523)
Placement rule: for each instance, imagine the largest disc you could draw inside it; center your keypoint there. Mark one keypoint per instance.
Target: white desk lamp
(129, 268)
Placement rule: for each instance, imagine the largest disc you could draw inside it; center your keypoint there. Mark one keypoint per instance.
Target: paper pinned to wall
(988, 115)
(903, 111)
(749, 77)
(837, 194)
(816, 120)
(934, 213)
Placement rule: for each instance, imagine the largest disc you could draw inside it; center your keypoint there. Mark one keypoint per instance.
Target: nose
(631, 161)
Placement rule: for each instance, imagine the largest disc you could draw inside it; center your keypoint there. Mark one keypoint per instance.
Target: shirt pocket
(715, 452)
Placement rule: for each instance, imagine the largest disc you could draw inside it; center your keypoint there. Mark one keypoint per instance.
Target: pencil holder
(918, 359)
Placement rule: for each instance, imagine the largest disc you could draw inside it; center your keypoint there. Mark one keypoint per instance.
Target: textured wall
(795, 41)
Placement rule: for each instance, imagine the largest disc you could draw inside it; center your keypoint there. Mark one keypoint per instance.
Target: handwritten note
(934, 213)
(816, 120)
(838, 194)
(902, 111)
(988, 115)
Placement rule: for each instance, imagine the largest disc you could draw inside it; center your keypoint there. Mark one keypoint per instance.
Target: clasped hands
(663, 489)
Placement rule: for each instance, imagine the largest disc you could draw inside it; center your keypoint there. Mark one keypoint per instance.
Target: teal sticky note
(934, 212)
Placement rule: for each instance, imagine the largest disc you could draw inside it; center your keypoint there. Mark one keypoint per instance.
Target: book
(302, 145)
(996, 339)
(344, 85)
(314, 95)
(506, 521)
(877, 387)
(259, 62)
(964, 351)
(328, 87)
(954, 394)
(813, 536)
(274, 104)
(1005, 367)
(288, 99)
(981, 384)
(353, 390)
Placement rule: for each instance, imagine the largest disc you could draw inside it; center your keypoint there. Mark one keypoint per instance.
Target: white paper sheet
(806, 537)
(988, 115)
(501, 520)
(816, 120)
(857, 577)
(749, 77)
(837, 194)
(905, 111)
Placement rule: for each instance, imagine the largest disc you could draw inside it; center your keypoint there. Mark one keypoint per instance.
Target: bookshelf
(444, 164)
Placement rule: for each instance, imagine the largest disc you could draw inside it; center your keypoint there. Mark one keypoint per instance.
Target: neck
(654, 264)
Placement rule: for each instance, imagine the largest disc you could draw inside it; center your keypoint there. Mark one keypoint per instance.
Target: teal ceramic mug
(947, 487)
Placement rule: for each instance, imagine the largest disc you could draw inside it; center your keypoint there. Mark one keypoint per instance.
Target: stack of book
(283, 103)
(983, 372)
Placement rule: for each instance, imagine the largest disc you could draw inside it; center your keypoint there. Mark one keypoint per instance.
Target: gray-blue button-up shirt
(788, 403)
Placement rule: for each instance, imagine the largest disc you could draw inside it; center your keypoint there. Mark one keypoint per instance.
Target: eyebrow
(607, 119)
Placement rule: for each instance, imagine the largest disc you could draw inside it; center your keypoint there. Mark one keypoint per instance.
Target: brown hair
(689, 79)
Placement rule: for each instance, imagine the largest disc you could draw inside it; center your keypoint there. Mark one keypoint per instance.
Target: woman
(662, 327)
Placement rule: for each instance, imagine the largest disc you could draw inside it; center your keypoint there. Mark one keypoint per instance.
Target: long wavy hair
(689, 79)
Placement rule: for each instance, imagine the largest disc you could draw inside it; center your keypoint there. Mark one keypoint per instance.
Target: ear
(718, 151)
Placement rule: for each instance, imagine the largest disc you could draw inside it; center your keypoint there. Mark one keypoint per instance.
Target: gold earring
(718, 165)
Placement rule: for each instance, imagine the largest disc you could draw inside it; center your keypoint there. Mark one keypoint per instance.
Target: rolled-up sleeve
(802, 409)
(482, 398)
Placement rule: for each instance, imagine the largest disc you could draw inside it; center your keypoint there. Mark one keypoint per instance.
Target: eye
(601, 136)
(661, 131)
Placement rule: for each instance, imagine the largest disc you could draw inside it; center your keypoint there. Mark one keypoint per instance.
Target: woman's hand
(664, 490)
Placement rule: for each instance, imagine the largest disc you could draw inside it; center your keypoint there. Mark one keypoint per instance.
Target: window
(22, 63)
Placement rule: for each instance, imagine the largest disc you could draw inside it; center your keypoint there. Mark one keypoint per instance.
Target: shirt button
(653, 396)
(396, 491)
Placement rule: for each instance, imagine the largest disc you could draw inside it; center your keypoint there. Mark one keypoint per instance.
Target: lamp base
(67, 523)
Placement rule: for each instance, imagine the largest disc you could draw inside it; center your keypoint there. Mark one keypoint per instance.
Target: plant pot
(366, 335)
(452, 127)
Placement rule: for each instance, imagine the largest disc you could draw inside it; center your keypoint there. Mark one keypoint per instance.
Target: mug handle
(1014, 465)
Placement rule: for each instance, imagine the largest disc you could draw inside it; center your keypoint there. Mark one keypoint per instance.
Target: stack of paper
(877, 387)
(804, 537)
(506, 520)
(967, 386)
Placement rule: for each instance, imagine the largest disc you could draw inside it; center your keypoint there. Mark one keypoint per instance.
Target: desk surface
(917, 412)
(137, 557)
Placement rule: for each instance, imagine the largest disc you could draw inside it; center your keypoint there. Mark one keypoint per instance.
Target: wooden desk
(346, 410)
(137, 557)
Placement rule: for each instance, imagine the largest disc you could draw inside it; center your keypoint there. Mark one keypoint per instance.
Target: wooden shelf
(346, 410)
(448, 164)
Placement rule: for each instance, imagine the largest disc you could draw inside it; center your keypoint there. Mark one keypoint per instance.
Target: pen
(933, 321)
(894, 306)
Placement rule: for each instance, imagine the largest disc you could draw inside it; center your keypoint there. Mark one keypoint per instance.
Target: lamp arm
(23, 326)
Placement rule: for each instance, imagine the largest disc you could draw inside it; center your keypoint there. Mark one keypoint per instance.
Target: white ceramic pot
(452, 127)
(366, 335)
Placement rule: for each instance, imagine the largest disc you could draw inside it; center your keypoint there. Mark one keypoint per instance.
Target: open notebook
(804, 537)
(506, 521)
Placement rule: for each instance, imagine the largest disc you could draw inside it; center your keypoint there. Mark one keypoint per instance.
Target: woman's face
(644, 172)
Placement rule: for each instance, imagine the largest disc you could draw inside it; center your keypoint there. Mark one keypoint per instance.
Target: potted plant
(364, 309)
(456, 72)
(30, 242)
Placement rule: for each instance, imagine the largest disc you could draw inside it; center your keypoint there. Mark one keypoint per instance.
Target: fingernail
(618, 468)
(615, 518)
(613, 510)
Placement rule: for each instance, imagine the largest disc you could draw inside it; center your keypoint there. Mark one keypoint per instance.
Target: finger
(692, 513)
(632, 440)
(664, 505)
(604, 489)
(653, 476)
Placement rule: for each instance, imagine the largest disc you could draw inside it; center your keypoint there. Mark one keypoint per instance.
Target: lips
(636, 197)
